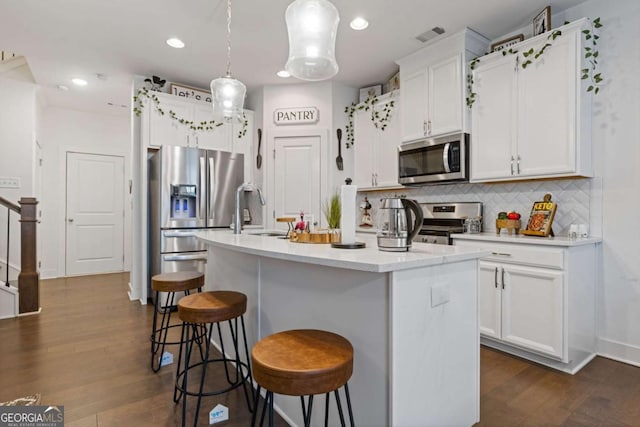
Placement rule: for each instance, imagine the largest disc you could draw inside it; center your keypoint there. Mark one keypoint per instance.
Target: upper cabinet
(534, 121)
(433, 86)
(162, 129)
(376, 150)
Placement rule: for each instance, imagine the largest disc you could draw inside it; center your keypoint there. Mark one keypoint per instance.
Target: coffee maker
(397, 228)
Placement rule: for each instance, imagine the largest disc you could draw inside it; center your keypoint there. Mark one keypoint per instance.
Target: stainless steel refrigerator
(189, 189)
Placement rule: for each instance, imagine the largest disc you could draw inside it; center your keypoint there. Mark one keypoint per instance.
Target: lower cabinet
(537, 297)
(522, 306)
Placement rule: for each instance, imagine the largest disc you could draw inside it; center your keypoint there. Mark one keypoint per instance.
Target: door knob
(70, 219)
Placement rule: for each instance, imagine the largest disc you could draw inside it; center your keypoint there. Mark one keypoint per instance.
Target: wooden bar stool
(183, 281)
(209, 309)
(303, 363)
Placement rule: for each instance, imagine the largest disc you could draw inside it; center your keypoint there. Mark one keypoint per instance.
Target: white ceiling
(62, 39)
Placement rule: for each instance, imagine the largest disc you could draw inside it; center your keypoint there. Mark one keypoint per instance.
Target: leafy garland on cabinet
(144, 95)
(590, 53)
(380, 119)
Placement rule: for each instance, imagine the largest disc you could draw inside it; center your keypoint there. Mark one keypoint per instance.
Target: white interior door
(297, 183)
(94, 214)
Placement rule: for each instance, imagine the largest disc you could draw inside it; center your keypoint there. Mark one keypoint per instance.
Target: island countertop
(367, 259)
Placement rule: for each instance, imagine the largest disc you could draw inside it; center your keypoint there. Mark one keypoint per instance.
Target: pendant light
(227, 92)
(312, 27)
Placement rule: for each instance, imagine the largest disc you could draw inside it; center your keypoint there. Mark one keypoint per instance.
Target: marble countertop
(531, 240)
(368, 259)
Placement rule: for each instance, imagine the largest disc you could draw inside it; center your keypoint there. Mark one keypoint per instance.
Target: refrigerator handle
(202, 194)
(211, 188)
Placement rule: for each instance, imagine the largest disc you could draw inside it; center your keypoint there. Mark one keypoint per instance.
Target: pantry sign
(295, 116)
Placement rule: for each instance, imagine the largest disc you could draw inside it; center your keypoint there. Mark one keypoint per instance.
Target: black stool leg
(188, 347)
(204, 373)
(335, 392)
(183, 342)
(256, 404)
(271, 410)
(346, 391)
(326, 410)
(159, 335)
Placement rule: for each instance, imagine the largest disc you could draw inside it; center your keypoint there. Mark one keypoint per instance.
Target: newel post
(29, 278)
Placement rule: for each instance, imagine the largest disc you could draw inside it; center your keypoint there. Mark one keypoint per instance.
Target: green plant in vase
(332, 211)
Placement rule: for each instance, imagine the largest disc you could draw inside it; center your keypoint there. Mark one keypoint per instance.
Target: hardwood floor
(89, 351)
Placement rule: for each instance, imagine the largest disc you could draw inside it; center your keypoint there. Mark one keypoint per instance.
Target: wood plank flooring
(89, 351)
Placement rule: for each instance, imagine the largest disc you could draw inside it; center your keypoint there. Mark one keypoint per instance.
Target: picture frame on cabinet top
(499, 45)
(189, 92)
(370, 91)
(542, 21)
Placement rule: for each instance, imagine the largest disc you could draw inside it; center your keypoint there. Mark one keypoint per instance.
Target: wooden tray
(321, 237)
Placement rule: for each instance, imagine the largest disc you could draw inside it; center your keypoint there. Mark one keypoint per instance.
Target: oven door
(433, 160)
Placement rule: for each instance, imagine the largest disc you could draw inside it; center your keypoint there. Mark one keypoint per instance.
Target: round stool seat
(177, 282)
(212, 306)
(302, 362)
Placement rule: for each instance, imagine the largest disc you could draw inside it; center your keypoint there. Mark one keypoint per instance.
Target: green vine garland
(380, 119)
(591, 54)
(143, 95)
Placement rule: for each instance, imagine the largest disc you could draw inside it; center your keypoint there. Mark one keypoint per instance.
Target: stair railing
(28, 278)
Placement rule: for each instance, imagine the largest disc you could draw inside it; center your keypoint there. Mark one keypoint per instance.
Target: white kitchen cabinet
(537, 300)
(433, 84)
(532, 122)
(522, 306)
(160, 129)
(376, 150)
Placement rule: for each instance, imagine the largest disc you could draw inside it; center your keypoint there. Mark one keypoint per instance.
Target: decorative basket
(509, 225)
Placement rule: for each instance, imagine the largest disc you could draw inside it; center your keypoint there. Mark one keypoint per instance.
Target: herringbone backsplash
(573, 197)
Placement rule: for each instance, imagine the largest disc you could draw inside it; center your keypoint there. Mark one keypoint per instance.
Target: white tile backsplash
(572, 196)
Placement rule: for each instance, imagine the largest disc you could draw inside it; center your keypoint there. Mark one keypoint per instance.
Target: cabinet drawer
(519, 254)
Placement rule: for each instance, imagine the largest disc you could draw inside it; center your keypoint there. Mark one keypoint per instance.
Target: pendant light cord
(228, 37)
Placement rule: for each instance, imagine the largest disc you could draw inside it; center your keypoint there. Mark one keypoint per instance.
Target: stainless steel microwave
(432, 160)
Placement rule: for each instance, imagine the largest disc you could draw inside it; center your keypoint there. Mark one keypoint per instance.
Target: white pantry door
(95, 214)
(297, 177)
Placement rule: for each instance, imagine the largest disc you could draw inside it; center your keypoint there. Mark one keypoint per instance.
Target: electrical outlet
(9, 182)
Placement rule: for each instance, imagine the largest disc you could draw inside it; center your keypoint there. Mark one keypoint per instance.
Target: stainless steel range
(443, 219)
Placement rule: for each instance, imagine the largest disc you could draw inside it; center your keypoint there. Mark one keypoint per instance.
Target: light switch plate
(9, 182)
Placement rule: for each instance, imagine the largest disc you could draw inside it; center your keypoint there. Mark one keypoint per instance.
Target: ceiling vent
(432, 33)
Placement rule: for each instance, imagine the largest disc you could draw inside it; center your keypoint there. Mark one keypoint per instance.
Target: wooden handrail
(6, 203)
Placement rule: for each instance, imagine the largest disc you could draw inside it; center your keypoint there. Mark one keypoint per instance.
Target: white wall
(616, 199)
(66, 130)
(17, 139)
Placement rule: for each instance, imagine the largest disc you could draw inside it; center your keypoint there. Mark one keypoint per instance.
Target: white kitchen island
(412, 318)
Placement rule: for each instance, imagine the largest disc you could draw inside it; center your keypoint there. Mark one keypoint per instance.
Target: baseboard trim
(618, 351)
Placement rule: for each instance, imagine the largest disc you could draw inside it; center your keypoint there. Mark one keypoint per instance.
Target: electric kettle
(397, 229)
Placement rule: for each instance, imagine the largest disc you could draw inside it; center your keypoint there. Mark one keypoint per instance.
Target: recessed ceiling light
(63, 87)
(175, 42)
(79, 82)
(359, 23)
(283, 73)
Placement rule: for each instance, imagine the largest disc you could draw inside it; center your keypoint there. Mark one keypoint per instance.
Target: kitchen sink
(270, 233)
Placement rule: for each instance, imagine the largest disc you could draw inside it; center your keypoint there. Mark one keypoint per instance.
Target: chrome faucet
(237, 222)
